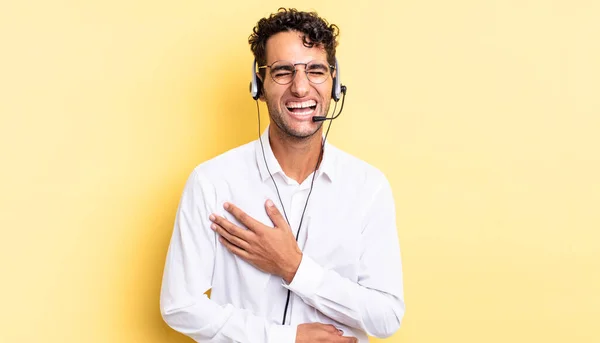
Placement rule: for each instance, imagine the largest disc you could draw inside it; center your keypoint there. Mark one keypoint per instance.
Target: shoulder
(227, 164)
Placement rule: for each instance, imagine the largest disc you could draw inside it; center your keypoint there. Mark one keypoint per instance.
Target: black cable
(287, 301)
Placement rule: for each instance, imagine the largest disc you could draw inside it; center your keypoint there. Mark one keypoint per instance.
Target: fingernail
(213, 227)
(226, 205)
(212, 217)
(269, 203)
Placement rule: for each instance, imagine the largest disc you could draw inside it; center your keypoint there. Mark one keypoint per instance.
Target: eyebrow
(282, 67)
(318, 65)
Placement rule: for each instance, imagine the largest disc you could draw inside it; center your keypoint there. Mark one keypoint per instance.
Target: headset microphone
(323, 118)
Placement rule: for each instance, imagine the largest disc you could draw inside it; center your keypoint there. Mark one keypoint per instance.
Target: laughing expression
(292, 106)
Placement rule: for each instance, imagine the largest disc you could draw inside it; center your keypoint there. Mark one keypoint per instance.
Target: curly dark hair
(315, 31)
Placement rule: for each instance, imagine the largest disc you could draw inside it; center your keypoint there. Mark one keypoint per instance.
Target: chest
(328, 230)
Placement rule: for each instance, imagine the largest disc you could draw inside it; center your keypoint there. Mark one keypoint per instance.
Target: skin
(296, 143)
(295, 140)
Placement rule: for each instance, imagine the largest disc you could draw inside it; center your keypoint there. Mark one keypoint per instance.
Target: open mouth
(301, 108)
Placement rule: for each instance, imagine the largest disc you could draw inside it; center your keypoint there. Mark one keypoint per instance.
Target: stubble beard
(277, 117)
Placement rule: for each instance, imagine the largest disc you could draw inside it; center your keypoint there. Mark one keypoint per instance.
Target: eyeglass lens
(283, 72)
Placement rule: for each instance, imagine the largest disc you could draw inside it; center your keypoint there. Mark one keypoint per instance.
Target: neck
(297, 157)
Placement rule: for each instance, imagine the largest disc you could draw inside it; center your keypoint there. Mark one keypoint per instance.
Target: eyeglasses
(283, 72)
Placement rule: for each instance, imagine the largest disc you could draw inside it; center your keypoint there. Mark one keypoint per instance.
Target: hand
(271, 249)
(321, 333)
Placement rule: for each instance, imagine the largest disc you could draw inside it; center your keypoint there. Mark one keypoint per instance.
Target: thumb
(276, 217)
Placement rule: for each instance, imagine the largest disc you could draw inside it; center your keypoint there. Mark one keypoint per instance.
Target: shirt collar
(327, 166)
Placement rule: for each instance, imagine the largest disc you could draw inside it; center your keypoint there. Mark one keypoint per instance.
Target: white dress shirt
(350, 274)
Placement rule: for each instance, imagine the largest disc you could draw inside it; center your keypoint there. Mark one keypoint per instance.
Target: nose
(300, 84)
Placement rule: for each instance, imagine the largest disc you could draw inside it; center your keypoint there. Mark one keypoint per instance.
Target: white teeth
(303, 104)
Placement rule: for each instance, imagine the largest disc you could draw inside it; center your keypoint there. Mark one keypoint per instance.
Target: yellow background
(484, 115)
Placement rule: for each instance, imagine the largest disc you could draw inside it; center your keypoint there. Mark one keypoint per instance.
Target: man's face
(292, 106)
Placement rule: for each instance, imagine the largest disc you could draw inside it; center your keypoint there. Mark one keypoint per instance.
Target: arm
(375, 303)
(188, 275)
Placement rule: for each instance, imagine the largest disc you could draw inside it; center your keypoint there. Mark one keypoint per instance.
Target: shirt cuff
(308, 278)
(282, 333)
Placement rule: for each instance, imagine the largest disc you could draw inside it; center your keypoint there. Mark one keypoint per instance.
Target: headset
(336, 91)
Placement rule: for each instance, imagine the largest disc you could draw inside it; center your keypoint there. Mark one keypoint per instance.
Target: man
(332, 272)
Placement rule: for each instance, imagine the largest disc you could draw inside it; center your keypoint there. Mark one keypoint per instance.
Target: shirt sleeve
(375, 303)
(188, 275)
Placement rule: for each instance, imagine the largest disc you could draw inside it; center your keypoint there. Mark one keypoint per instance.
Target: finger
(348, 339)
(331, 328)
(243, 217)
(235, 250)
(230, 227)
(229, 237)
(276, 216)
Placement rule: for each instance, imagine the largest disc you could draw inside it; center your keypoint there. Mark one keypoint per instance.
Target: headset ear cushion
(259, 87)
(334, 96)
(255, 84)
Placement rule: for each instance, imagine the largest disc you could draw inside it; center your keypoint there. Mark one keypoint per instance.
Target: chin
(304, 131)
